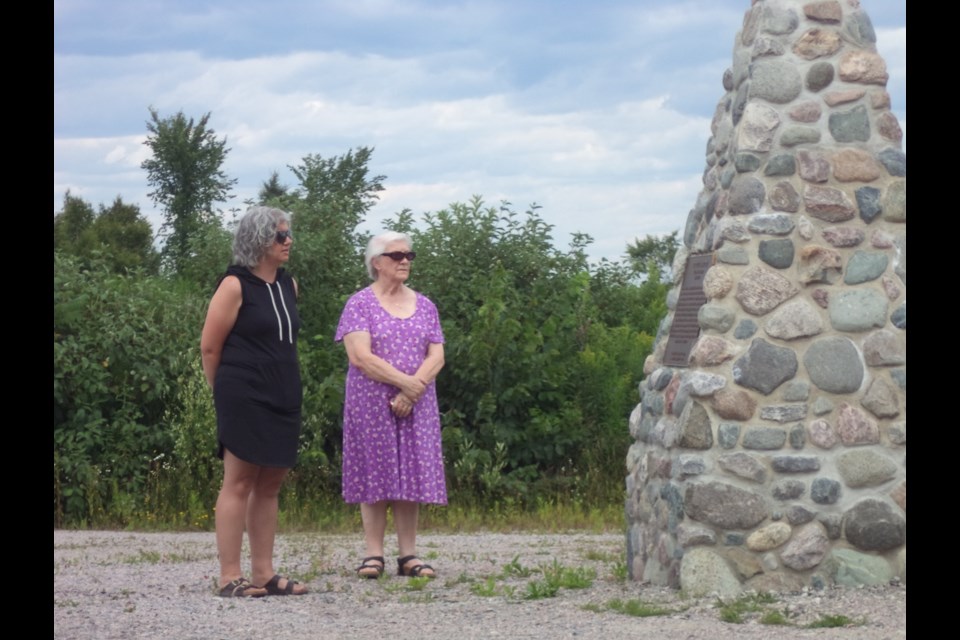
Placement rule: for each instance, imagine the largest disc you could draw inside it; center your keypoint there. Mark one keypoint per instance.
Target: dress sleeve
(434, 330)
(353, 318)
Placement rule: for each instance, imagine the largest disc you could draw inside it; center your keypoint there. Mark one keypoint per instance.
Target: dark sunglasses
(283, 235)
(400, 255)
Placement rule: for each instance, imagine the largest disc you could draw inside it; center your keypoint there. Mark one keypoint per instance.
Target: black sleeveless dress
(257, 391)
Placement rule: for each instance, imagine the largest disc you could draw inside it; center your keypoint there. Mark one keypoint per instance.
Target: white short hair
(378, 244)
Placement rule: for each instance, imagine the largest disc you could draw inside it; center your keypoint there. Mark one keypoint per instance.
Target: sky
(599, 112)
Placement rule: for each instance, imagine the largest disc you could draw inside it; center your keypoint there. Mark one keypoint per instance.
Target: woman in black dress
(249, 348)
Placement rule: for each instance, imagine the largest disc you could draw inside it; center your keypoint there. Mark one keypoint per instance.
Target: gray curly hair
(378, 245)
(255, 233)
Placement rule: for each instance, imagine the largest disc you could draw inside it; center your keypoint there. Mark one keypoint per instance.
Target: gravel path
(160, 585)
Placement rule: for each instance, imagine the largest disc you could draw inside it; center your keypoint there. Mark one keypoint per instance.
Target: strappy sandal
(367, 564)
(241, 588)
(273, 587)
(416, 571)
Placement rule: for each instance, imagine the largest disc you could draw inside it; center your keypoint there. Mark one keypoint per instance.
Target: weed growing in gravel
(619, 571)
(539, 589)
(600, 556)
(515, 569)
(638, 608)
(418, 583)
(830, 621)
(463, 578)
(485, 589)
(561, 576)
(733, 612)
(774, 617)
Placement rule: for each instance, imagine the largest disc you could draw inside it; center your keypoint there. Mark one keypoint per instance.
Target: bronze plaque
(685, 329)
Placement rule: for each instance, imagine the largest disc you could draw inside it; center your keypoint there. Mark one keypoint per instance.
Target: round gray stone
(774, 224)
(744, 162)
(781, 165)
(765, 366)
(860, 28)
(865, 468)
(728, 433)
(788, 489)
(792, 136)
(764, 438)
(777, 253)
(834, 365)
(858, 310)
(775, 81)
(873, 525)
(779, 20)
(825, 491)
(745, 329)
(715, 317)
(795, 464)
(895, 162)
(868, 201)
(819, 75)
(746, 196)
(850, 126)
(724, 505)
(865, 266)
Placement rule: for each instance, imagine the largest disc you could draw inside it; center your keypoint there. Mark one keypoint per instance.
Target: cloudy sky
(598, 111)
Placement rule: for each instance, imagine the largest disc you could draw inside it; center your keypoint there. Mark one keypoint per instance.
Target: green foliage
(116, 345)
(118, 236)
(653, 253)
(184, 170)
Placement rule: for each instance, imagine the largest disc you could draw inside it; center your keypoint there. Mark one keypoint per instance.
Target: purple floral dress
(386, 457)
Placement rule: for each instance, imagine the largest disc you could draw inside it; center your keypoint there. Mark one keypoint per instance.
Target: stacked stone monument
(774, 457)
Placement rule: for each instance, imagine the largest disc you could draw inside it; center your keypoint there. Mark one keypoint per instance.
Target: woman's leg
(239, 478)
(374, 518)
(262, 510)
(405, 516)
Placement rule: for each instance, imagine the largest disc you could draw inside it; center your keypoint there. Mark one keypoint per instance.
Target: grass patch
(734, 612)
(638, 608)
(832, 621)
(774, 618)
(516, 570)
(485, 589)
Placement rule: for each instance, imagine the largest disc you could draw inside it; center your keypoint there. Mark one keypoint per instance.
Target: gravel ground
(160, 585)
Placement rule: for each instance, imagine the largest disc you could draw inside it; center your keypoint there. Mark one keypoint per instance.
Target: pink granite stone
(881, 239)
(890, 287)
(899, 496)
(844, 96)
(855, 427)
(711, 350)
(817, 43)
(821, 297)
(880, 99)
(888, 127)
(670, 393)
(760, 290)
(812, 167)
(783, 197)
(733, 405)
(805, 112)
(828, 203)
(822, 434)
(717, 282)
(819, 264)
(843, 236)
(855, 165)
(827, 11)
(864, 67)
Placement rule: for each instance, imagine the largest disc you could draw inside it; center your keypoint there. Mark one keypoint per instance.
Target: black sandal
(367, 563)
(241, 588)
(273, 587)
(416, 571)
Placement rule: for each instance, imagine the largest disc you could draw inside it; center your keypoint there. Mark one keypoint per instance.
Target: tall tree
(653, 254)
(185, 172)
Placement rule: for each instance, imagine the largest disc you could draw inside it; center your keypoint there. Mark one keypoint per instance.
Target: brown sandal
(241, 588)
(273, 587)
(367, 563)
(416, 571)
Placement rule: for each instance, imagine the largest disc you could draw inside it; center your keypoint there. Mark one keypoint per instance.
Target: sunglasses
(400, 255)
(283, 235)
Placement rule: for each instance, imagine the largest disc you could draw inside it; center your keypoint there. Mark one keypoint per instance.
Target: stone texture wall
(777, 458)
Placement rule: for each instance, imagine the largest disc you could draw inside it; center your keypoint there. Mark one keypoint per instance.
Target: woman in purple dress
(391, 424)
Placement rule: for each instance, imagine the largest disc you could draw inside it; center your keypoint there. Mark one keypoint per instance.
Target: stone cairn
(776, 458)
